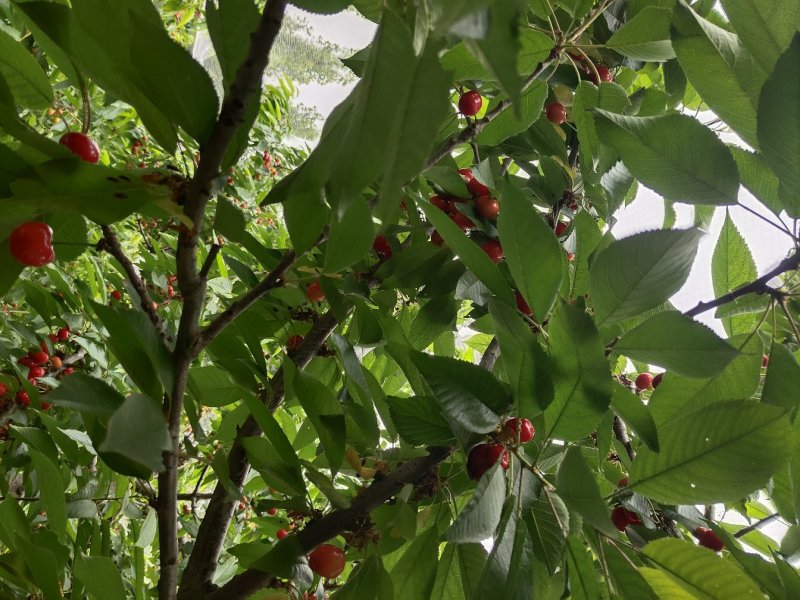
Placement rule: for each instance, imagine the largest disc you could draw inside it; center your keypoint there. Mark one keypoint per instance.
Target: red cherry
(437, 239)
(764, 360)
(522, 305)
(493, 249)
(561, 227)
(327, 561)
(524, 426)
(603, 72)
(462, 220)
(82, 145)
(242, 505)
(22, 398)
(282, 533)
(26, 361)
(382, 248)
(68, 371)
(556, 113)
(3, 389)
(52, 337)
(495, 452)
(470, 103)
(314, 292)
(56, 362)
(657, 380)
(272, 511)
(36, 372)
(32, 244)
(488, 207)
(441, 203)
(466, 174)
(39, 358)
(623, 482)
(476, 188)
(294, 342)
(622, 517)
(46, 406)
(116, 295)
(644, 382)
(477, 462)
(709, 539)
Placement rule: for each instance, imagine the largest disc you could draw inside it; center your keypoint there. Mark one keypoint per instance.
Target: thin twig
(209, 261)
(759, 286)
(112, 246)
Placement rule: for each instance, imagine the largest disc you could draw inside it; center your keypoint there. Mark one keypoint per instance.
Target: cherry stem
(86, 245)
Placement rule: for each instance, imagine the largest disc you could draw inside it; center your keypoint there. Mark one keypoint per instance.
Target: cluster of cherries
(622, 518)
(31, 244)
(37, 360)
(482, 457)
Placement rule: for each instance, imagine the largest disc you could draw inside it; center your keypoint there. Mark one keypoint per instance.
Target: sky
(767, 245)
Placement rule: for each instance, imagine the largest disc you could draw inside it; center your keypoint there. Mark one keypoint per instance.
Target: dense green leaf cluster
(251, 349)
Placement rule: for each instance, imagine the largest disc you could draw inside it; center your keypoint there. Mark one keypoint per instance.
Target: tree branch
(759, 286)
(622, 435)
(339, 520)
(211, 535)
(750, 528)
(112, 246)
(245, 88)
(271, 281)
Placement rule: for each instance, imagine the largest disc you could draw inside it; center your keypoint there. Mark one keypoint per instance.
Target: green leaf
(480, 517)
(468, 394)
(42, 564)
(351, 236)
(640, 272)
(324, 412)
(525, 363)
(133, 37)
(718, 453)
(137, 345)
(138, 432)
(369, 580)
(420, 421)
(230, 24)
(509, 569)
(278, 472)
(499, 49)
(473, 257)
(738, 381)
(674, 155)
(212, 386)
(107, 62)
(758, 179)
(459, 568)
(434, 318)
(51, 489)
(532, 252)
(645, 36)
(631, 410)
(101, 577)
(583, 578)
(545, 522)
(415, 572)
(779, 126)
(101, 194)
(765, 28)
(25, 79)
(507, 123)
(677, 343)
(580, 374)
(229, 220)
(732, 266)
(719, 68)
(87, 394)
(628, 582)
(685, 567)
(782, 374)
(578, 489)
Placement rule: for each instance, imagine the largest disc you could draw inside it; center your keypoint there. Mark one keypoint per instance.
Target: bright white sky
(767, 244)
